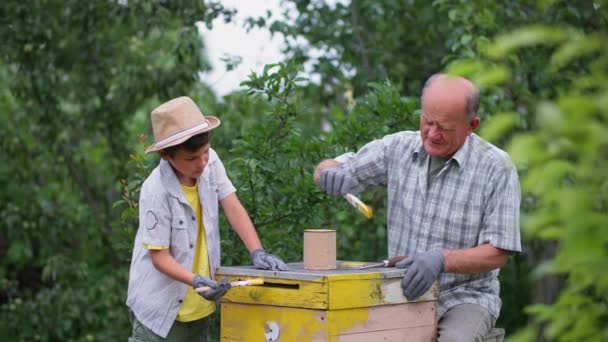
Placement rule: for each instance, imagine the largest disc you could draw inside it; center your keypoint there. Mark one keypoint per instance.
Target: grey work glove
(422, 270)
(265, 261)
(217, 289)
(335, 181)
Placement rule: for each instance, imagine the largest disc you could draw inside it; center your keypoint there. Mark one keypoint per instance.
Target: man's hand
(422, 270)
(262, 260)
(217, 290)
(335, 181)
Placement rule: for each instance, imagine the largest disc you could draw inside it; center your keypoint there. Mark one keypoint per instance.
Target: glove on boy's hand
(422, 270)
(335, 181)
(217, 290)
(265, 261)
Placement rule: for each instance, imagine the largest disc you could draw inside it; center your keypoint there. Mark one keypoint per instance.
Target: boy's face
(188, 165)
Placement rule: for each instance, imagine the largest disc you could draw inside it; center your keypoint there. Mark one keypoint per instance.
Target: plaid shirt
(474, 200)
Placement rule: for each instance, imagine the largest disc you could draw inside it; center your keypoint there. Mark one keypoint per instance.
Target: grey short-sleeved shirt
(166, 219)
(473, 200)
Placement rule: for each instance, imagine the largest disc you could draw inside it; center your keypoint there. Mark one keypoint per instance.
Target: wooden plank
(417, 334)
(297, 272)
(381, 318)
(328, 291)
(393, 293)
(413, 321)
(357, 293)
(243, 322)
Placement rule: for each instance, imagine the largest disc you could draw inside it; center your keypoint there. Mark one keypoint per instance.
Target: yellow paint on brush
(256, 281)
(362, 207)
(366, 211)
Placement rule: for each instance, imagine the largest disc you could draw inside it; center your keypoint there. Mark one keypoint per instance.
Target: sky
(256, 48)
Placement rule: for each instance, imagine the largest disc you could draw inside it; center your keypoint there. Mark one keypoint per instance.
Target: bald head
(450, 94)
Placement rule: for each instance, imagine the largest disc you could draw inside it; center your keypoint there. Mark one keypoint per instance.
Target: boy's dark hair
(190, 145)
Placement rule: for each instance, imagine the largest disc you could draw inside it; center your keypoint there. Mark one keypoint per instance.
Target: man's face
(444, 133)
(188, 165)
(444, 125)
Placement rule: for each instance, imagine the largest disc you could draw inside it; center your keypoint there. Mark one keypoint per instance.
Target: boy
(177, 247)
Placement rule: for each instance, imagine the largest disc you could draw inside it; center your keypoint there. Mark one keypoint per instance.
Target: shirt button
(181, 301)
(193, 218)
(181, 222)
(191, 246)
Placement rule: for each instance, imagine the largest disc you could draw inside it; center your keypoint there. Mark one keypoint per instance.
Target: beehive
(334, 305)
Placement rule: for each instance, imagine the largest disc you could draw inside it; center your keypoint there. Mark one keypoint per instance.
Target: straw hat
(178, 120)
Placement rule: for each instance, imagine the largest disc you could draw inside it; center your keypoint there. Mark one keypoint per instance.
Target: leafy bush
(562, 158)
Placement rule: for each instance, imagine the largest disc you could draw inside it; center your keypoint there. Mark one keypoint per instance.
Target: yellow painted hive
(344, 305)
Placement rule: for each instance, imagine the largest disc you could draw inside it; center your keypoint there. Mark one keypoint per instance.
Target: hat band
(162, 143)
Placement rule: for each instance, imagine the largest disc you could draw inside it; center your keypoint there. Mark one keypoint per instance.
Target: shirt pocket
(210, 201)
(180, 241)
(464, 223)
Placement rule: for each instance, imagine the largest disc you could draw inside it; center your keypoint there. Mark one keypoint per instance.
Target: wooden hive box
(336, 305)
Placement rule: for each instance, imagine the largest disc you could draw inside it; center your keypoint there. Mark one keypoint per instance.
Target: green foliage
(274, 186)
(72, 75)
(279, 172)
(80, 78)
(562, 159)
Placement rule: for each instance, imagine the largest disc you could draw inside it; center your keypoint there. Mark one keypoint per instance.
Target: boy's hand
(217, 290)
(265, 261)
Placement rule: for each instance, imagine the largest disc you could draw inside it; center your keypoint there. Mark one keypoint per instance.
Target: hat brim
(180, 137)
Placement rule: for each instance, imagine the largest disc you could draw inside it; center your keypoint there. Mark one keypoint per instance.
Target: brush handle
(357, 203)
(239, 283)
(392, 261)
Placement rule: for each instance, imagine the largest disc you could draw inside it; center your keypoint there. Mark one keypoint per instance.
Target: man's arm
(166, 263)
(483, 258)
(240, 222)
(424, 268)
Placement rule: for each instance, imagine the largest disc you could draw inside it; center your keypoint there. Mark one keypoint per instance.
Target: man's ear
(163, 154)
(474, 123)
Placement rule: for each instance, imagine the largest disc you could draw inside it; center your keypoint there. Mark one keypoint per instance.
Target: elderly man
(453, 205)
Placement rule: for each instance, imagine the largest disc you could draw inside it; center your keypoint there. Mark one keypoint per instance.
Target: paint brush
(239, 283)
(362, 207)
(385, 263)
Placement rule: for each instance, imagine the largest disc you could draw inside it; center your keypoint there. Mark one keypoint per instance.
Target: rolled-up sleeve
(223, 183)
(369, 166)
(154, 220)
(500, 226)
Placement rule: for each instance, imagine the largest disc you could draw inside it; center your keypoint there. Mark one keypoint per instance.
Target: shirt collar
(170, 181)
(419, 153)
(462, 154)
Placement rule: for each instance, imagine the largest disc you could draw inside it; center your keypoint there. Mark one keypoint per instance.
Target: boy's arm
(166, 263)
(240, 222)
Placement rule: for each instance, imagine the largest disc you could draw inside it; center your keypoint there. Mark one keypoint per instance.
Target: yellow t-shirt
(194, 306)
